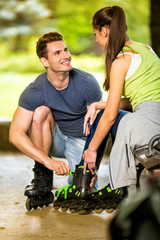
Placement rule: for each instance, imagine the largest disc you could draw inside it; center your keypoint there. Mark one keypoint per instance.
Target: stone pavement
(16, 223)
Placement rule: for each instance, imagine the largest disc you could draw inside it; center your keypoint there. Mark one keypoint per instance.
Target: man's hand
(60, 167)
(89, 118)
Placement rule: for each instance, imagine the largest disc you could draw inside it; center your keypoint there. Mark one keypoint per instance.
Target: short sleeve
(93, 92)
(30, 98)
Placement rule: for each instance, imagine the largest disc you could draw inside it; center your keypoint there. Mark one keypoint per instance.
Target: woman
(132, 70)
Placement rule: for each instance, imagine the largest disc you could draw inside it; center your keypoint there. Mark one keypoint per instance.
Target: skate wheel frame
(39, 201)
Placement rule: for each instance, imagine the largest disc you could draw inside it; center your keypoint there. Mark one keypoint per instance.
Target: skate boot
(39, 191)
(107, 199)
(75, 197)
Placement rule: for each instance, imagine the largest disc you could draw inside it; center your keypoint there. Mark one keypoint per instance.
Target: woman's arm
(119, 69)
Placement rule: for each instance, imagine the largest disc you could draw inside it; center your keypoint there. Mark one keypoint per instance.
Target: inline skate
(39, 191)
(75, 197)
(107, 199)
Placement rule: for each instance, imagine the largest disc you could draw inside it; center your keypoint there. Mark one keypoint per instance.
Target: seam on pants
(111, 181)
(127, 155)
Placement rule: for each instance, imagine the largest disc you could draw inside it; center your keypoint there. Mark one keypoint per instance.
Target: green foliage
(21, 20)
(22, 62)
(11, 86)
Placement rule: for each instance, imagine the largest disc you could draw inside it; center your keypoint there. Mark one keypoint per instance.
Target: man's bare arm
(18, 136)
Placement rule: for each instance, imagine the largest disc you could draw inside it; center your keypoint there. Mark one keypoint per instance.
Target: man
(52, 110)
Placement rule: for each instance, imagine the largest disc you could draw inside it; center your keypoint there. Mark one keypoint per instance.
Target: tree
(19, 20)
(155, 25)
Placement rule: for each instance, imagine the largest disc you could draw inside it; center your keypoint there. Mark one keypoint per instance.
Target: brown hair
(113, 18)
(41, 47)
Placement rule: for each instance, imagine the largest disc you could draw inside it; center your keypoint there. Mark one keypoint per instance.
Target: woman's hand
(89, 157)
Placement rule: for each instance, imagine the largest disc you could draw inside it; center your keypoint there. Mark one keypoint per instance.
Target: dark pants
(113, 131)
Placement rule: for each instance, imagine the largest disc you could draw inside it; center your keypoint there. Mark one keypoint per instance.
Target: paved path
(16, 223)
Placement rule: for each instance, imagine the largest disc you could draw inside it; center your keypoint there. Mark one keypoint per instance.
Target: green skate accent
(100, 193)
(83, 167)
(63, 190)
(71, 173)
(74, 187)
(108, 189)
(117, 191)
(77, 193)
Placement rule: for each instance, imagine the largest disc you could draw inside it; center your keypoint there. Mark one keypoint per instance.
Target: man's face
(59, 58)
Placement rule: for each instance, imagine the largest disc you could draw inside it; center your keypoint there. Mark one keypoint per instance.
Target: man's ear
(44, 62)
(105, 31)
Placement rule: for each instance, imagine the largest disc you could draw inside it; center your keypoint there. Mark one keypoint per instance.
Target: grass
(11, 86)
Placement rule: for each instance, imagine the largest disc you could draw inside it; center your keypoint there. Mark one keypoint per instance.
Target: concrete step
(4, 136)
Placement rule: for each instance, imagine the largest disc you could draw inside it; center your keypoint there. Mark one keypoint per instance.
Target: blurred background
(22, 22)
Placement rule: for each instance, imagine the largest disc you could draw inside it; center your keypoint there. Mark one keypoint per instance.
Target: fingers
(62, 168)
(91, 167)
(93, 181)
(87, 131)
(92, 117)
(86, 125)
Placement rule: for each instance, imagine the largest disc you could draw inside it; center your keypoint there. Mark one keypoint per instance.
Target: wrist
(92, 148)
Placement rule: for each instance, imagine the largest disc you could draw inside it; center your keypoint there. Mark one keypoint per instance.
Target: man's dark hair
(41, 47)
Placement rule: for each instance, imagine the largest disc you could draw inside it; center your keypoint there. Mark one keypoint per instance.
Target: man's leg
(41, 135)
(113, 131)
(42, 128)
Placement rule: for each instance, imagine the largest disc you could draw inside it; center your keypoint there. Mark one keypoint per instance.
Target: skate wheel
(72, 210)
(47, 204)
(98, 210)
(56, 207)
(28, 204)
(35, 207)
(109, 210)
(89, 211)
(82, 212)
(64, 209)
(41, 205)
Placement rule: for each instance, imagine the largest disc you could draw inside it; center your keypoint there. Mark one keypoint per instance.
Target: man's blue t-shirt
(69, 105)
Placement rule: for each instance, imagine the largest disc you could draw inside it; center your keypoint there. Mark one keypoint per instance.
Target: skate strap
(71, 173)
(65, 189)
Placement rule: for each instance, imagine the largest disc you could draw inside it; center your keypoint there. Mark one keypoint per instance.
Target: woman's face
(102, 36)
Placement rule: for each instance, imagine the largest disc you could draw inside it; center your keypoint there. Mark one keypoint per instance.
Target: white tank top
(135, 62)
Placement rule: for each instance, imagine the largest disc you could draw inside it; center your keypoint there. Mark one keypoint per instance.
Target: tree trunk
(155, 25)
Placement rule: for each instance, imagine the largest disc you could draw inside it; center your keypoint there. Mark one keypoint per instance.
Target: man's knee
(42, 114)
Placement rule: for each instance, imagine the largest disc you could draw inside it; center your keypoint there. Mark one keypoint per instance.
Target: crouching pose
(132, 71)
(52, 110)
